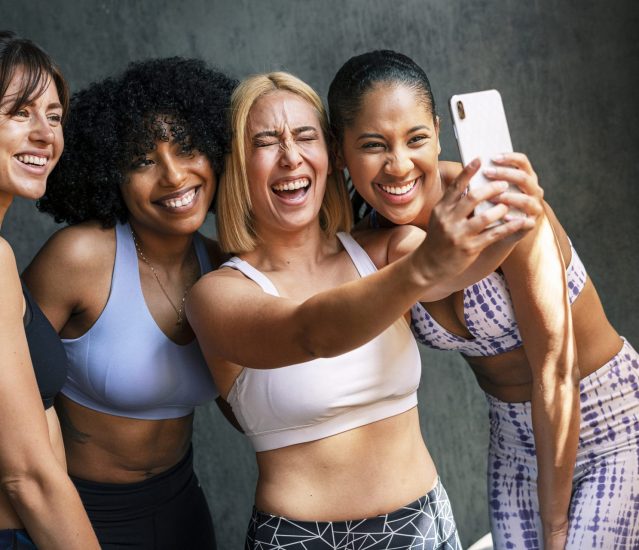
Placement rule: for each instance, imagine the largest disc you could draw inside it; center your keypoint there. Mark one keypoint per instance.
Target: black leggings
(167, 512)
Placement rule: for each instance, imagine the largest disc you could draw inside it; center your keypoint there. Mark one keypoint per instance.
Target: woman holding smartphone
(552, 480)
(38, 503)
(308, 342)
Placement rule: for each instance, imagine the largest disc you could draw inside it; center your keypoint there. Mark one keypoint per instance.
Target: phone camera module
(460, 110)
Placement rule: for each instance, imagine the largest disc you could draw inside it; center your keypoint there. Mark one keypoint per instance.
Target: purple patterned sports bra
(488, 314)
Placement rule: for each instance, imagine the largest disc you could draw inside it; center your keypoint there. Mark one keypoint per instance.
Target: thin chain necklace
(179, 311)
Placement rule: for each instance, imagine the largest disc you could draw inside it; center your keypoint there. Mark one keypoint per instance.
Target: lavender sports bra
(124, 364)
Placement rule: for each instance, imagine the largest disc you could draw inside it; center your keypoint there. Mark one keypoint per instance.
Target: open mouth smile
(179, 200)
(292, 190)
(32, 160)
(34, 164)
(398, 190)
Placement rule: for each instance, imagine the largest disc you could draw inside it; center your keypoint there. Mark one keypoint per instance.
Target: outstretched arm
(235, 320)
(31, 476)
(536, 276)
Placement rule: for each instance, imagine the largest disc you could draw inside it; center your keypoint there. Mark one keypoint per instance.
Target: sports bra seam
(333, 418)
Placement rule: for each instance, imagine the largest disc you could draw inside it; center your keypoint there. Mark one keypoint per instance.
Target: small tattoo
(68, 429)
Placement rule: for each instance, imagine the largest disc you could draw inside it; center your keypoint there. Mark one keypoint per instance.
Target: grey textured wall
(566, 71)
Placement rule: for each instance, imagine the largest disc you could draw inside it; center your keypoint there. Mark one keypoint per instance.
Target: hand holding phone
(480, 126)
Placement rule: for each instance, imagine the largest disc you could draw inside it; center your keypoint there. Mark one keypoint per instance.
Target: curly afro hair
(114, 122)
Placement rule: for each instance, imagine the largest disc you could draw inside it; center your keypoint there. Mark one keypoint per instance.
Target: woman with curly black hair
(135, 184)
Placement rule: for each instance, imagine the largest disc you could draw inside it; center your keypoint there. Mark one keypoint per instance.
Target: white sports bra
(323, 397)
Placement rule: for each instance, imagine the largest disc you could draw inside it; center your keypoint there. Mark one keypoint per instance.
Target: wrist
(422, 273)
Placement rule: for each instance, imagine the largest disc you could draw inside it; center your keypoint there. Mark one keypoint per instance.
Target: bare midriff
(114, 449)
(508, 376)
(360, 473)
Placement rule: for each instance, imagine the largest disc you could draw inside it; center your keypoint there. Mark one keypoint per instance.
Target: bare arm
(536, 276)
(529, 202)
(235, 320)
(34, 481)
(70, 277)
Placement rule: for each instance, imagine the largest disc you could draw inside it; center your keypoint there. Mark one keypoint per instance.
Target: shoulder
(81, 245)
(562, 237)
(385, 246)
(76, 254)
(215, 280)
(218, 293)
(548, 233)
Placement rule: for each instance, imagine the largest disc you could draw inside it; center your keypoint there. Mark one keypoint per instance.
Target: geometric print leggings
(604, 507)
(426, 524)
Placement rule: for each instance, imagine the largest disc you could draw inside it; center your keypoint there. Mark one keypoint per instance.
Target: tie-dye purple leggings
(604, 509)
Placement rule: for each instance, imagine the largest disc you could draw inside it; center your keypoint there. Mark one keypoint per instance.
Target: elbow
(323, 346)
(312, 347)
(558, 365)
(23, 487)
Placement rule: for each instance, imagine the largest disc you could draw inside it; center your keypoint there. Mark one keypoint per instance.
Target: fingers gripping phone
(480, 126)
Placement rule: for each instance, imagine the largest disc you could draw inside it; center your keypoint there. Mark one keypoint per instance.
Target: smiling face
(31, 141)
(391, 151)
(169, 190)
(287, 162)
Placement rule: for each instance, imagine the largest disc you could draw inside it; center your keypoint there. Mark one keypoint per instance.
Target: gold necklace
(179, 311)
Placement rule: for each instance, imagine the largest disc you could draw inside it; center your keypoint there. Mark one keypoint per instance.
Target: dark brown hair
(20, 53)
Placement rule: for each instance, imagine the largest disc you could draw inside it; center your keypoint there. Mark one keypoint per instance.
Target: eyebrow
(275, 133)
(369, 135)
(53, 105)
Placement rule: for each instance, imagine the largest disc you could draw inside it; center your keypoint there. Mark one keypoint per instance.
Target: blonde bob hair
(234, 222)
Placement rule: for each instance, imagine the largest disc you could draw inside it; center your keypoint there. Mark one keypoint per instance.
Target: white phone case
(480, 126)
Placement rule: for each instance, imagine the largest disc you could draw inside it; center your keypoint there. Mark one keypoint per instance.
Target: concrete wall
(567, 73)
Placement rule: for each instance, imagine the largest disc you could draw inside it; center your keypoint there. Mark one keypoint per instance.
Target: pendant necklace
(179, 310)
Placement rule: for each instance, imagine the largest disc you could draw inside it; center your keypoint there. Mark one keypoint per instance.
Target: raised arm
(453, 215)
(235, 320)
(536, 276)
(32, 477)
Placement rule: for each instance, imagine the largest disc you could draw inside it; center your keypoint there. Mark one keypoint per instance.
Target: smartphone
(480, 126)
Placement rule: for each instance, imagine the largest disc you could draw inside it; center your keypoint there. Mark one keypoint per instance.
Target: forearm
(51, 511)
(556, 423)
(361, 310)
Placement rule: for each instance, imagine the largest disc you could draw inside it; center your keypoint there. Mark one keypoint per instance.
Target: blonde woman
(307, 339)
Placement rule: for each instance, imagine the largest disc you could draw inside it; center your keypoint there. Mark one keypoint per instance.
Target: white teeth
(394, 190)
(185, 199)
(32, 159)
(292, 185)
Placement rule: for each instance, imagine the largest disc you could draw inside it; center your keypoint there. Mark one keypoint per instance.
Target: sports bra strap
(251, 273)
(361, 260)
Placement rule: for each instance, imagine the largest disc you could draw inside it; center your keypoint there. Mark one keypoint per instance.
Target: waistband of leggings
(16, 539)
(436, 496)
(595, 378)
(149, 492)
